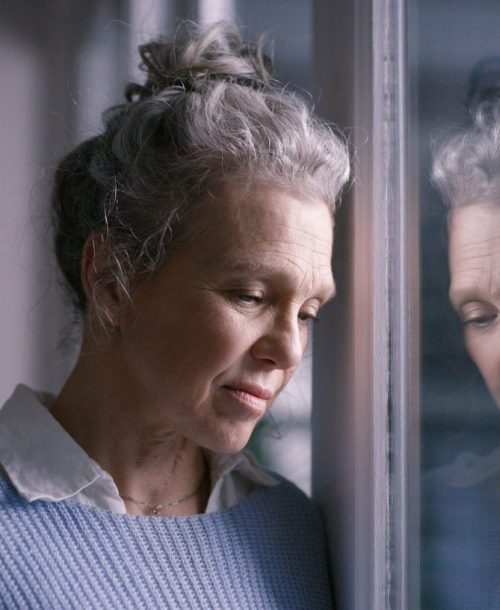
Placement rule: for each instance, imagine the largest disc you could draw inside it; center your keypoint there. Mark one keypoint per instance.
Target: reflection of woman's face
(213, 336)
(474, 256)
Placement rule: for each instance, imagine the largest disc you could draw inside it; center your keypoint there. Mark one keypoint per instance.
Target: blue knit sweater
(267, 553)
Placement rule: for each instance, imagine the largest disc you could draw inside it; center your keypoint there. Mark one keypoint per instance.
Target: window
(398, 408)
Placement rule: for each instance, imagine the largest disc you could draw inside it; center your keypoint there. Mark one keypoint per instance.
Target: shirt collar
(43, 462)
(223, 464)
(32, 446)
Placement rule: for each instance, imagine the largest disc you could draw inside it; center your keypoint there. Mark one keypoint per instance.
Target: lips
(248, 400)
(252, 389)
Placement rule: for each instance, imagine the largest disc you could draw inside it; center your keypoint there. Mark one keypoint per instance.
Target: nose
(282, 344)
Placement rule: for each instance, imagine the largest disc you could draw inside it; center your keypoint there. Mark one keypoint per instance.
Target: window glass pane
(460, 423)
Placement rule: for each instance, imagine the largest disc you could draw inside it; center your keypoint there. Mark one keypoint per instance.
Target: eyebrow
(458, 299)
(242, 267)
(459, 295)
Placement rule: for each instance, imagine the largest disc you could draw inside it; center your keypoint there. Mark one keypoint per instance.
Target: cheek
(208, 340)
(485, 351)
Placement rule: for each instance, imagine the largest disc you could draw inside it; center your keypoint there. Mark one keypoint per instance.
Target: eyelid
(478, 315)
(246, 296)
(309, 315)
(251, 297)
(480, 321)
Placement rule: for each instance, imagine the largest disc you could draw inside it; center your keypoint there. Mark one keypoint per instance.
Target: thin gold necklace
(156, 508)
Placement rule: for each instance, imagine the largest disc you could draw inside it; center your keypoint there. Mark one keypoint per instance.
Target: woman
(462, 511)
(195, 235)
(467, 173)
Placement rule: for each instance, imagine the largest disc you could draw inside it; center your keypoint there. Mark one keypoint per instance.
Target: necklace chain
(156, 508)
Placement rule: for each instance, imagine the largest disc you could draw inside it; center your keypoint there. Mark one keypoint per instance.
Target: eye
(308, 316)
(478, 315)
(480, 321)
(247, 299)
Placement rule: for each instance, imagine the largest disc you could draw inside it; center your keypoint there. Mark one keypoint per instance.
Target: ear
(98, 282)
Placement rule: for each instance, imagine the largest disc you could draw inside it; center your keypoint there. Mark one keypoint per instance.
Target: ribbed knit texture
(267, 553)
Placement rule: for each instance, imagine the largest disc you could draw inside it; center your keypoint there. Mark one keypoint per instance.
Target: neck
(148, 463)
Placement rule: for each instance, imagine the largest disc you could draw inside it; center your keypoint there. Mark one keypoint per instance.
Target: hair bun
(200, 56)
(146, 184)
(483, 96)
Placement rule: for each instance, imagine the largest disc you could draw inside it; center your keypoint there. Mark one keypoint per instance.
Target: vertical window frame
(366, 410)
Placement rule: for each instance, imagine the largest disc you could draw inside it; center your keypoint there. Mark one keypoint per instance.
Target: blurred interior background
(62, 63)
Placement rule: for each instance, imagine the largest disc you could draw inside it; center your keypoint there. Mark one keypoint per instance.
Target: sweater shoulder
(286, 506)
(288, 491)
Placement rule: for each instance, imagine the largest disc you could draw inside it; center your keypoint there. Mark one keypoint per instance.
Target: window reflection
(461, 348)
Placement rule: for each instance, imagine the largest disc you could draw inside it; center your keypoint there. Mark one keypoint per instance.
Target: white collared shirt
(43, 462)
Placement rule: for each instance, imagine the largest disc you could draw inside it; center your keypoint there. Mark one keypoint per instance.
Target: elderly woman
(467, 173)
(462, 520)
(195, 235)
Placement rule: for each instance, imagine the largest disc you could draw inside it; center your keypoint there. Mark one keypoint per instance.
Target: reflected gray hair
(466, 167)
(209, 116)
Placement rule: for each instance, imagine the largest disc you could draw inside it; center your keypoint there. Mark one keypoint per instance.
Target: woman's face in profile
(211, 339)
(474, 257)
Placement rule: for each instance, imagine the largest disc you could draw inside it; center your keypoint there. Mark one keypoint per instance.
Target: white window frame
(366, 358)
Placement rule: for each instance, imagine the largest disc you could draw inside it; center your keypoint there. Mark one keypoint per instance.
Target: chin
(231, 440)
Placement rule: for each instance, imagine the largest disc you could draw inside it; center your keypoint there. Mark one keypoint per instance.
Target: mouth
(253, 398)
(252, 390)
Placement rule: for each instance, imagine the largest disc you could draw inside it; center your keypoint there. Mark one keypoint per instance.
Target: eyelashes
(309, 318)
(250, 301)
(480, 321)
(477, 314)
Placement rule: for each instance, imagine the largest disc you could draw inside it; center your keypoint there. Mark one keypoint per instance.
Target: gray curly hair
(208, 116)
(466, 167)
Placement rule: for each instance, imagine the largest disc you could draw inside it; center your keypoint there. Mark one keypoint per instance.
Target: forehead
(474, 249)
(268, 228)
